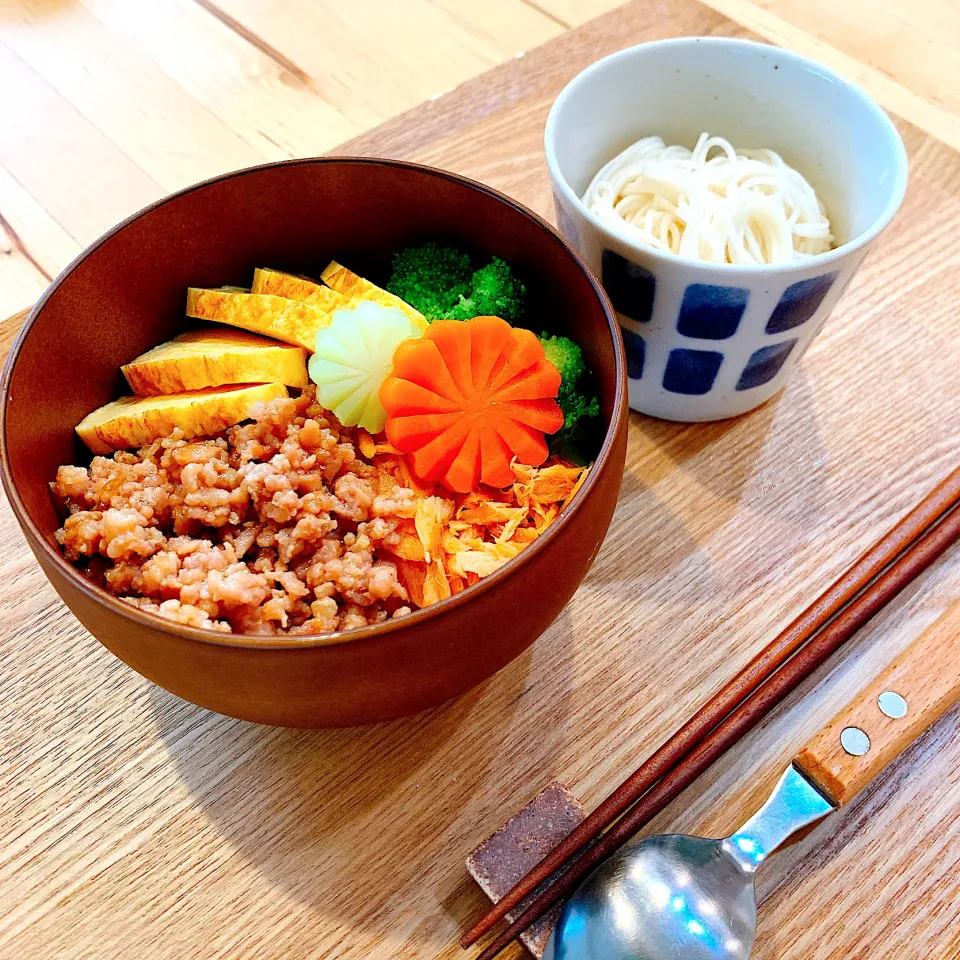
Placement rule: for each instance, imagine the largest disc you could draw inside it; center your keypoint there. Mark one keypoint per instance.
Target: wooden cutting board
(133, 824)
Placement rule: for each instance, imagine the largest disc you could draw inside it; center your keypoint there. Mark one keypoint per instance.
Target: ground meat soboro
(274, 526)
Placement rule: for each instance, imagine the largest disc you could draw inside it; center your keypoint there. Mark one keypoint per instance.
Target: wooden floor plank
(884, 37)
(33, 246)
(21, 279)
(575, 12)
(273, 108)
(889, 91)
(171, 136)
(939, 19)
(378, 59)
(43, 239)
(83, 180)
(146, 98)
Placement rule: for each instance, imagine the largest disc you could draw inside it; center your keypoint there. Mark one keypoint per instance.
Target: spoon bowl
(675, 897)
(665, 897)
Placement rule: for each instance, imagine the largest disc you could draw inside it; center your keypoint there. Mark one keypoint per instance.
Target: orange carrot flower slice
(467, 398)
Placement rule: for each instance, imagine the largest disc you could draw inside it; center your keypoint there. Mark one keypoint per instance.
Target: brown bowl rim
(356, 634)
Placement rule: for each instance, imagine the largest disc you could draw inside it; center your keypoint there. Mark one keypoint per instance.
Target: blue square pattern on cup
(711, 312)
(799, 303)
(630, 287)
(636, 351)
(691, 371)
(764, 364)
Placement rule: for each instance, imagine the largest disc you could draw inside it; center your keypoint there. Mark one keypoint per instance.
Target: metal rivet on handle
(892, 704)
(854, 741)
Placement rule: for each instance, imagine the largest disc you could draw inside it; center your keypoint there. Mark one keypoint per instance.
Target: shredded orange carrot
(370, 448)
(441, 545)
(467, 399)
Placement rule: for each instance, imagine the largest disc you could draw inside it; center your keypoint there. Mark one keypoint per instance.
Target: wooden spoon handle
(873, 730)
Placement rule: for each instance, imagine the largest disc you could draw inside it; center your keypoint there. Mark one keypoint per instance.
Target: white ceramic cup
(707, 341)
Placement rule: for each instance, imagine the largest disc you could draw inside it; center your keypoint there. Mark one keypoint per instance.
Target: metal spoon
(683, 897)
(687, 898)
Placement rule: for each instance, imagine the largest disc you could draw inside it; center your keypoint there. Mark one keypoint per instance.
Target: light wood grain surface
(118, 103)
(133, 822)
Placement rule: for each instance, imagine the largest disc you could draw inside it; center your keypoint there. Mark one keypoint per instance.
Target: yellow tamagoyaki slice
(133, 421)
(355, 288)
(292, 321)
(289, 285)
(213, 358)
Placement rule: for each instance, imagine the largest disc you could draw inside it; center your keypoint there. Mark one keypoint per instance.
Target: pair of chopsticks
(821, 629)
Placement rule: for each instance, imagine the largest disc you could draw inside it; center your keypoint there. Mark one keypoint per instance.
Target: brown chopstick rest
(518, 846)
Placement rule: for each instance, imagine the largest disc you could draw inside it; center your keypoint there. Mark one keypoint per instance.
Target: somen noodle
(715, 204)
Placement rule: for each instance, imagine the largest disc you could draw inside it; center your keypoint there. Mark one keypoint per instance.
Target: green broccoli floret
(431, 278)
(494, 292)
(567, 357)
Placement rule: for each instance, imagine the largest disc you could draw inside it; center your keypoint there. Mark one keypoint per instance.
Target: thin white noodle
(713, 203)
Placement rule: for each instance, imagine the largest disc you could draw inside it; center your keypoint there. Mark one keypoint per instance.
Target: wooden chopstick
(917, 558)
(701, 740)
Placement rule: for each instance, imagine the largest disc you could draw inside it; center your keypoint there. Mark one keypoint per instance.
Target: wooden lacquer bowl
(126, 293)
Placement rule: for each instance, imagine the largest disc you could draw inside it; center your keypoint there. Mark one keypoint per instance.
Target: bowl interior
(127, 293)
(756, 96)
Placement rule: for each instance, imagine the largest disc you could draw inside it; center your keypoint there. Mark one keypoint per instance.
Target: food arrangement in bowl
(329, 441)
(345, 456)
